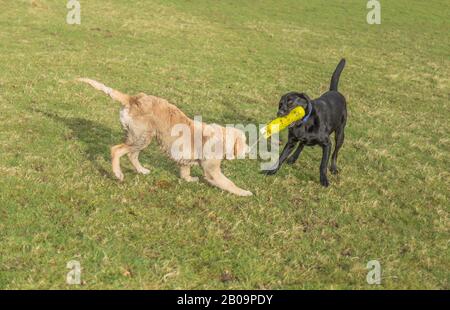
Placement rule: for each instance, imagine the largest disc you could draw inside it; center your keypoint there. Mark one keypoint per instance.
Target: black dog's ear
(305, 96)
(285, 101)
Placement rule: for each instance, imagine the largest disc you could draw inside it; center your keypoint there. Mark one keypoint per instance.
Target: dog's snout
(281, 113)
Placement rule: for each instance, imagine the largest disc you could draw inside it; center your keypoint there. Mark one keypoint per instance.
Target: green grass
(230, 62)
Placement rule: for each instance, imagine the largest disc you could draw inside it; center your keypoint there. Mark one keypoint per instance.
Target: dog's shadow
(97, 140)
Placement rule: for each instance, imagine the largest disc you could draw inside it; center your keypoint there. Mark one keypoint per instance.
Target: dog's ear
(240, 146)
(212, 142)
(208, 131)
(304, 96)
(235, 146)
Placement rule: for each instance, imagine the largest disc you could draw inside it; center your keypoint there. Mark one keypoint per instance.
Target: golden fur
(144, 117)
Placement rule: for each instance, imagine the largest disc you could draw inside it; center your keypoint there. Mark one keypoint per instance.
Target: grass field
(228, 61)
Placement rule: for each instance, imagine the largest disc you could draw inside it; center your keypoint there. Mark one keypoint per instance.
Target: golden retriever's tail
(115, 94)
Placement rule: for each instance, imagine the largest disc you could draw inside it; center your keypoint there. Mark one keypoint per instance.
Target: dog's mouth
(282, 113)
(292, 124)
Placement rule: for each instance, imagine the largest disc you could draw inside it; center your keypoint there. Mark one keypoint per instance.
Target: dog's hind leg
(117, 152)
(339, 140)
(326, 147)
(185, 174)
(291, 160)
(216, 178)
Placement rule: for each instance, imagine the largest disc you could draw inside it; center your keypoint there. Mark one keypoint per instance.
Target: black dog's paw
(334, 170)
(324, 182)
(269, 172)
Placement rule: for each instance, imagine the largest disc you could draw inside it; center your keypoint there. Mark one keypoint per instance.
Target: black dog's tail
(337, 73)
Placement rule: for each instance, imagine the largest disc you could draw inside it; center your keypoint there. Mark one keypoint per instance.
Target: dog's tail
(115, 94)
(336, 75)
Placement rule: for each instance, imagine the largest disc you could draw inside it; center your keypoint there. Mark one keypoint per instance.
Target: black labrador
(324, 115)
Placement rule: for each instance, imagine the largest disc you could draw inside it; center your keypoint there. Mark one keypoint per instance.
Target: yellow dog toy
(281, 123)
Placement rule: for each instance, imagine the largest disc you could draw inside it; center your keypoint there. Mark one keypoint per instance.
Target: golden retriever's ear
(212, 142)
(208, 130)
(240, 146)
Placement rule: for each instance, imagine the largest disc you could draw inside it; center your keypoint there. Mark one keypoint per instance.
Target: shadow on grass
(97, 140)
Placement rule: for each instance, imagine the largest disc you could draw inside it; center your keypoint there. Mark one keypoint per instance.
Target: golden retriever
(144, 117)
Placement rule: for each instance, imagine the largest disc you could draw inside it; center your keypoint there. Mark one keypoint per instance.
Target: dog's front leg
(326, 148)
(284, 155)
(222, 182)
(185, 174)
(214, 176)
(291, 160)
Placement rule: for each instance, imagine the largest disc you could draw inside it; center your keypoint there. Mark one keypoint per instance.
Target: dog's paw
(269, 172)
(143, 171)
(191, 179)
(334, 170)
(324, 182)
(245, 193)
(119, 175)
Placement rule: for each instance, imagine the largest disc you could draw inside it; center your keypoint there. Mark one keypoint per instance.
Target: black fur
(329, 114)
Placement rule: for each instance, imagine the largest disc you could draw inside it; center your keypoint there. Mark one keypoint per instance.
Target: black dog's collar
(306, 118)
